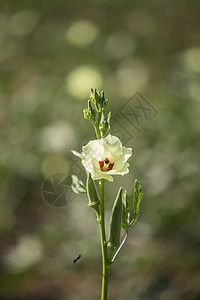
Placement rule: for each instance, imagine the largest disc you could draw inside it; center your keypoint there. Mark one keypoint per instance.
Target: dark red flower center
(105, 165)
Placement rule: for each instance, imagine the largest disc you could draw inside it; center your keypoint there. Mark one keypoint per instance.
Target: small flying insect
(77, 258)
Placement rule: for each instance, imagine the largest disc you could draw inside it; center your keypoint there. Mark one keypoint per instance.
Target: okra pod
(116, 220)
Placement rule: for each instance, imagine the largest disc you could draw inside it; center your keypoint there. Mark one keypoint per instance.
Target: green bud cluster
(98, 99)
(95, 112)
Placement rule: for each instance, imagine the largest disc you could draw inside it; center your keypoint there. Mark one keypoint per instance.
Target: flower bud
(85, 114)
(94, 97)
(101, 98)
(103, 101)
(103, 125)
(116, 220)
(91, 111)
(92, 192)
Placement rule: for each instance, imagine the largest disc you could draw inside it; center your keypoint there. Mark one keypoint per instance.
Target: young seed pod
(116, 220)
(91, 111)
(92, 192)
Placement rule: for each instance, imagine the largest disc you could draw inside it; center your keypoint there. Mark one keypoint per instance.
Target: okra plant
(103, 158)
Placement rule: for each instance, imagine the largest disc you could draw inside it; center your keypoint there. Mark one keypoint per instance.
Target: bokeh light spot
(54, 164)
(82, 33)
(81, 80)
(131, 76)
(120, 45)
(191, 60)
(58, 137)
(23, 22)
(26, 253)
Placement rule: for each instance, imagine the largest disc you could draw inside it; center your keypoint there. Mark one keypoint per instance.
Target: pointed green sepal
(77, 185)
(116, 220)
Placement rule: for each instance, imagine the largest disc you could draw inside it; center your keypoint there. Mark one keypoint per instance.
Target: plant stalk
(106, 266)
(97, 131)
(101, 219)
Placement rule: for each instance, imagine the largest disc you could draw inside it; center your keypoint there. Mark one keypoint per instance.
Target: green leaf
(130, 209)
(137, 197)
(77, 186)
(125, 211)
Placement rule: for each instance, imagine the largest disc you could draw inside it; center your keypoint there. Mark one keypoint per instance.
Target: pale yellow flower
(106, 157)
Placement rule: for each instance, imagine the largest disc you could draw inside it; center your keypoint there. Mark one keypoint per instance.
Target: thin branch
(120, 247)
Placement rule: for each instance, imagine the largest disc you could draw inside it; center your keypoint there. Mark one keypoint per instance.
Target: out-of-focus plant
(103, 158)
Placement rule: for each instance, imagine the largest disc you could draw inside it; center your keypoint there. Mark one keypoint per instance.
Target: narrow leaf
(77, 186)
(125, 211)
(137, 197)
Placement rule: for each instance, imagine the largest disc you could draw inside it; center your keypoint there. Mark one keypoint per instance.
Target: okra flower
(106, 157)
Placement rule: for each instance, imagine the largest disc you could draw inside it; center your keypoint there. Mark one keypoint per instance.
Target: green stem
(101, 219)
(120, 247)
(96, 126)
(106, 266)
(97, 131)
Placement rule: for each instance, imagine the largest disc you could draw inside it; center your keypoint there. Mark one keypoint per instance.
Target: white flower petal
(124, 170)
(92, 149)
(86, 161)
(112, 147)
(102, 176)
(125, 154)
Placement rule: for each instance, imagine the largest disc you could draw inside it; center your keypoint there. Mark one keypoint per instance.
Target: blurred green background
(51, 54)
